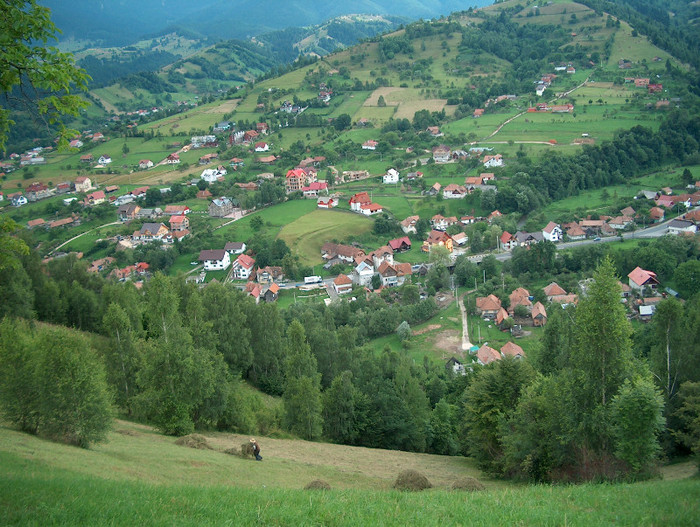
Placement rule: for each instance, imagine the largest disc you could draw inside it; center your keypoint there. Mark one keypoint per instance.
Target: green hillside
(141, 477)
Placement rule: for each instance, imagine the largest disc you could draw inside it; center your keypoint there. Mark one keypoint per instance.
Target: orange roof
(512, 350)
(488, 303)
(554, 289)
(640, 277)
(487, 355)
(274, 288)
(538, 309)
(342, 279)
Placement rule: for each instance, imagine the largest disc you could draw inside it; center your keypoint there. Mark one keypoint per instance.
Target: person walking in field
(256, 450)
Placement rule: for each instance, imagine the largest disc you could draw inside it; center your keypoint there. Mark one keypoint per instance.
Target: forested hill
(125, 21)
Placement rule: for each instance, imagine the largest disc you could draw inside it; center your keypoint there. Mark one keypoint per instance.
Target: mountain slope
(124, 21)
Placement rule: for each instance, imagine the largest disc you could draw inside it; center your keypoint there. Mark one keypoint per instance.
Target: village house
(235, 247)
(359, 199)
(553, 290)
(204, 141)
(262, 147)
(575, 232)
(345, 253)
(381, 255)
(519, 297)
(525, 239)
(409, 224)
(441, 154)
(179, 223)
(18, 200)
(370, 144)
(39, 222)
(441, 223)
(455, 367)
(434, 190)
(64, 187)
(104, 159)
(552, 232)
(454, 191)
(394, 275)
(460, 238)
(148, 214)
(176, 209)
(212, 175)
(620, 222)
(145, 163)
(215, 259)
(295, 180)
(271, 293)
(220, 207)
(370, 209)
(438, 239)
(173, 159)
(493, 161)
(95, 198)
(37, 191)
(640, 278)
(269, 275)
(327, 202)
(656, 214)
(507, 241)
(204, 194)
(314, 189)
(243, 267)
(681, 226)
(391, 176)
(434, 131)
(128, 211)
(510, 349)
(486, 355)
(539, 315)
(362, 273)
(83, 184)
(400, 244)
(208, 158)
(151, 232)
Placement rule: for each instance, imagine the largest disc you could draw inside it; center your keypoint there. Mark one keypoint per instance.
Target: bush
(52, 383)
(412, 480)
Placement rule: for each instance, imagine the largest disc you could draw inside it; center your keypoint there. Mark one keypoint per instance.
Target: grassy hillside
(141, 477)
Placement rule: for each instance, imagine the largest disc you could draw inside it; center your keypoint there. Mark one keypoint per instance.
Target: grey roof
(212, 254)
(681, 224)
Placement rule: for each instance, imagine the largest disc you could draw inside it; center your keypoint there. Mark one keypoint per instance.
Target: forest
(596, 400)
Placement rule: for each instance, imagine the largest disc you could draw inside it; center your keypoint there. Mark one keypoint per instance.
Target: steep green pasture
(141, 478)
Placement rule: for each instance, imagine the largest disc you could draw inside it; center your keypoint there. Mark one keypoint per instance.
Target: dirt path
(466, 343)
(560, 96)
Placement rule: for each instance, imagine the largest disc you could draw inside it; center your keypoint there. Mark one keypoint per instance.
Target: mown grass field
(141, 478)
(307, 234)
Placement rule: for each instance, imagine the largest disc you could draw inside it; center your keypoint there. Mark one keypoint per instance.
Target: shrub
(196, 441)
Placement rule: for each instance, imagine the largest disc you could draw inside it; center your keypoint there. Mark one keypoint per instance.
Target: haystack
(317, 484)
(412, 480)
(194, 441)
(469, 484)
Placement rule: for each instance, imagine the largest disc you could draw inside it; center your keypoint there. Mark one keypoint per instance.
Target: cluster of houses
(262, 283)
(365, 266)
(304, 179)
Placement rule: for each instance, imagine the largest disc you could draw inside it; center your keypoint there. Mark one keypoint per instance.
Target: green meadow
(140, 477)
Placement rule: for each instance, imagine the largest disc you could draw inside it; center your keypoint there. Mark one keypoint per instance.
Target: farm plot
(307, 234)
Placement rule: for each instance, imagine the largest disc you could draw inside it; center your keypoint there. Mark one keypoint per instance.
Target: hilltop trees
(36, 75)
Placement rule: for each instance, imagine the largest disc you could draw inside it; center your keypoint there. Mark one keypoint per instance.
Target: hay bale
(247, 450)
(233, 452)
(469, 484)
(194, 441)
(317, 484)
(127, 432)
(412, 480)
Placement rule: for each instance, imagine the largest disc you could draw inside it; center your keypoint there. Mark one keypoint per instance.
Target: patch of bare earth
(449, 340)
(407, 110)
(431, 327)
(226, 107)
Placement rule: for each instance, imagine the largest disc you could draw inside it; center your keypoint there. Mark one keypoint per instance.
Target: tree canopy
(34, 75)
